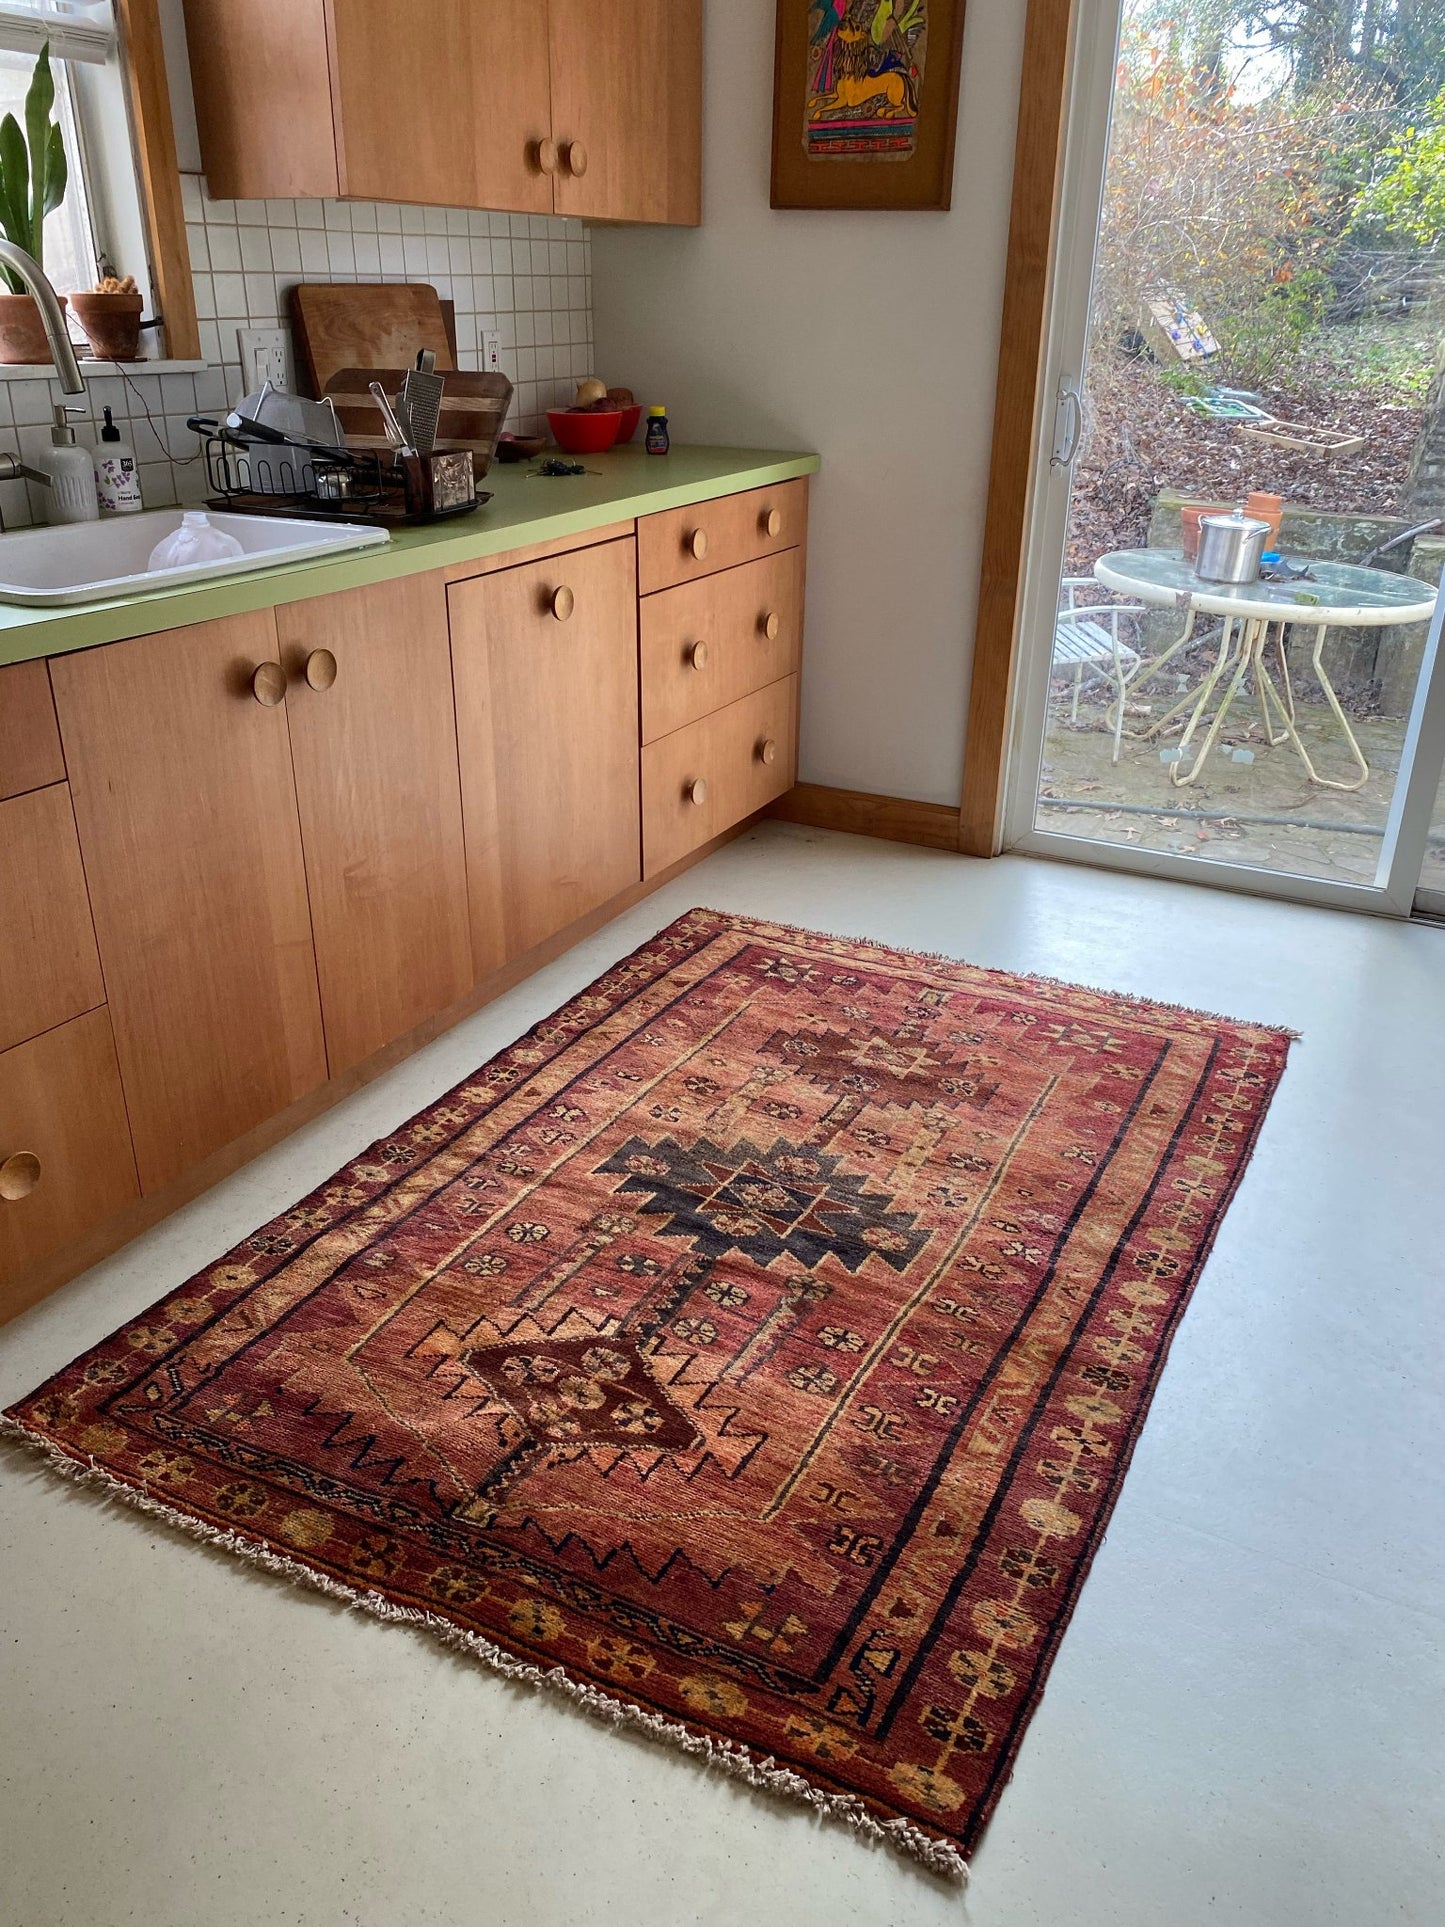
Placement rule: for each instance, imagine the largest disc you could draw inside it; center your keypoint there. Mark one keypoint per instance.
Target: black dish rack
(252, 477)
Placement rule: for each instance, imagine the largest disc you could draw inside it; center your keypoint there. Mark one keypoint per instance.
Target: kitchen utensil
(1230, 547)
(474, 406)
(245, 432)
(590, 433)
(394, 433)
(422, 392)
(365, 325)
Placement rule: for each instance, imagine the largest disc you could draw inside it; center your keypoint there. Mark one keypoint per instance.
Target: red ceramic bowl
(586, 434)
(630, 418)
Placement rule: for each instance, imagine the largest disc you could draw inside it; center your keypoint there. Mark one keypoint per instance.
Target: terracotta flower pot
(22, 333)
(111, 323)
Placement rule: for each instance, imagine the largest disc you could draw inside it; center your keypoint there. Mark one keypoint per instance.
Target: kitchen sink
(94, 561)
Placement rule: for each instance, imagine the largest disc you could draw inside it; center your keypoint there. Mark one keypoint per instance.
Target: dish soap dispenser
(71, 496)
(117, 477)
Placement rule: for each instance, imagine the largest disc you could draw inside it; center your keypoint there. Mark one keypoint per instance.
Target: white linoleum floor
(1246, 1723)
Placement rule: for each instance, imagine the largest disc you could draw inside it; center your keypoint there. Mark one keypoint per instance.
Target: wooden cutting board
(474, 407)
(338, 324)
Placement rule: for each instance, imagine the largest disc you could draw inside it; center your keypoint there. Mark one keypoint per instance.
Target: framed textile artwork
(865, 103)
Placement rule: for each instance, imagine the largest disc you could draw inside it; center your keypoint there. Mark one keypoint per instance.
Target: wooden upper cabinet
(186, 807)
(446, 103)
(627, 109)
(373, 743)
(586, 107)
(544, 659)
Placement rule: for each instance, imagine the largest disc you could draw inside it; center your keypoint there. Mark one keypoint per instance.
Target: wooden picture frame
(883, 134)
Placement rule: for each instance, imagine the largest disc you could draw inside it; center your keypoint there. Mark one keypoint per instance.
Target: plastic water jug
(195, 541)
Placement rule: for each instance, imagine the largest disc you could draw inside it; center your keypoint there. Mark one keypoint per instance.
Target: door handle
(1068, 423)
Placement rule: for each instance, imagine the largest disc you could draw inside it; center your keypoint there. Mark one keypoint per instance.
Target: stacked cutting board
(350, 334)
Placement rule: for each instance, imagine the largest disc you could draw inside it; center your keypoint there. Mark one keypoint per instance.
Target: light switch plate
(265, 356)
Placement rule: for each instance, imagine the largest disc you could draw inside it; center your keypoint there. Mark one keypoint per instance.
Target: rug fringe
(993, 970)
(905, 1838)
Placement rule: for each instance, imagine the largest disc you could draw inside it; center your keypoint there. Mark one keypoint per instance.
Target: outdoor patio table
(1338, 595)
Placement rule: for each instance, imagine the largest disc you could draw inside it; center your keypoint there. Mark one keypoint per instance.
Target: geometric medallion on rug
(753, 1352)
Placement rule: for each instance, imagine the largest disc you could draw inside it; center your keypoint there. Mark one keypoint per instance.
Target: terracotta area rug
(754, 1352)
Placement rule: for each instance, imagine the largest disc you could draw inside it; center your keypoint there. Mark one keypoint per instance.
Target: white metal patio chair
(1086, 636)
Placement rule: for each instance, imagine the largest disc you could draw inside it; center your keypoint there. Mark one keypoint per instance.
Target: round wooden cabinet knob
(321, 669)
(771, 625)
(697, 655)
(563, 603)
(697, 544)
(575, 155)
(768, 752)
(268, 684)
(19, 1176)
(773, 522)
(696, 791)
(546, 152)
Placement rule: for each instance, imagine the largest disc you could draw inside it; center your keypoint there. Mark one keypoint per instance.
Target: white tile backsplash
(528, 277)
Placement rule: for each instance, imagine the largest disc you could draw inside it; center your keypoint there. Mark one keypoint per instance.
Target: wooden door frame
(159, 176)
(1038, 152)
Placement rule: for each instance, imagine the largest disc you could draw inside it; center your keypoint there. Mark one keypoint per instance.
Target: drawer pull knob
(19, 1176)
(575, 155)
(697, 544)
(320, 669)
(773, 522)
(268, 684)
(772, 625)
(547, 156)
(697, 655)
(768, 752)
(563, 603)
(696, 791)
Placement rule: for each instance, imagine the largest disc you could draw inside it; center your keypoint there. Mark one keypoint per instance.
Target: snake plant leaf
(57, 172)
(14, 183)
(38, 102)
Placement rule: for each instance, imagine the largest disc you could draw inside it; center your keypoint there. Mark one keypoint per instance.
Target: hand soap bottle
(117, 477)
(71, 496)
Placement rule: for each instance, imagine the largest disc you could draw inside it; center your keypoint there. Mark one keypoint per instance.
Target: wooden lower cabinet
(374, 749)
(184, 798)
(701, 780)
(544, 660)
(49, 969)
(65, 1152)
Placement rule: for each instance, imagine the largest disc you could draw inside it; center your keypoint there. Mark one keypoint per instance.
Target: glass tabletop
(1336, 592)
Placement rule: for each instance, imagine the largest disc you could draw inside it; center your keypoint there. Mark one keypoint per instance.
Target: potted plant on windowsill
(33, 179)
(110, 314)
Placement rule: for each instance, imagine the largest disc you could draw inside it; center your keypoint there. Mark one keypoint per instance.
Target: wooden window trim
(1038, 149)
(160, 176)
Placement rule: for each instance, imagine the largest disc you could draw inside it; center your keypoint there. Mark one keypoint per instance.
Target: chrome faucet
(72, 382)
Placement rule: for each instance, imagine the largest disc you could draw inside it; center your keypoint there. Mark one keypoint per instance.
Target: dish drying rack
(260, 478)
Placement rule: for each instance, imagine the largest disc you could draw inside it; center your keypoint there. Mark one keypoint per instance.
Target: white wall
(872, 338)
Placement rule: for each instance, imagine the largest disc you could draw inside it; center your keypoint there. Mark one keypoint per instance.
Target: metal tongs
(398, 427)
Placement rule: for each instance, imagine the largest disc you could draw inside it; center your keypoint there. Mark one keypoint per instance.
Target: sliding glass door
(1245, 356)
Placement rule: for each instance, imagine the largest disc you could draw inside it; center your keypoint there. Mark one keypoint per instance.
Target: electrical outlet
(264, 357)
(491, 351)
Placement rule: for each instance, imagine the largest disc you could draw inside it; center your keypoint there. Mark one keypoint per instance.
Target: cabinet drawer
(701, 780)
(49, 966)
(682, 544)
(708, 643)
(65, 1155)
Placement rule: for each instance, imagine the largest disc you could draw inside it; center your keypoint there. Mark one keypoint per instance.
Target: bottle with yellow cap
(658, 439)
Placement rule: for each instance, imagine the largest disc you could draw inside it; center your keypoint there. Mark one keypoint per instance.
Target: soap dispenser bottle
(117, 476)
(71, 496)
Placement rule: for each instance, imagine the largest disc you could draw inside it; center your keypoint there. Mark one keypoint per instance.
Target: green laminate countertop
(525, 508)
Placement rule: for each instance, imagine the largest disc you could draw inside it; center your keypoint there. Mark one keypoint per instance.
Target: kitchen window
(101, 225)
